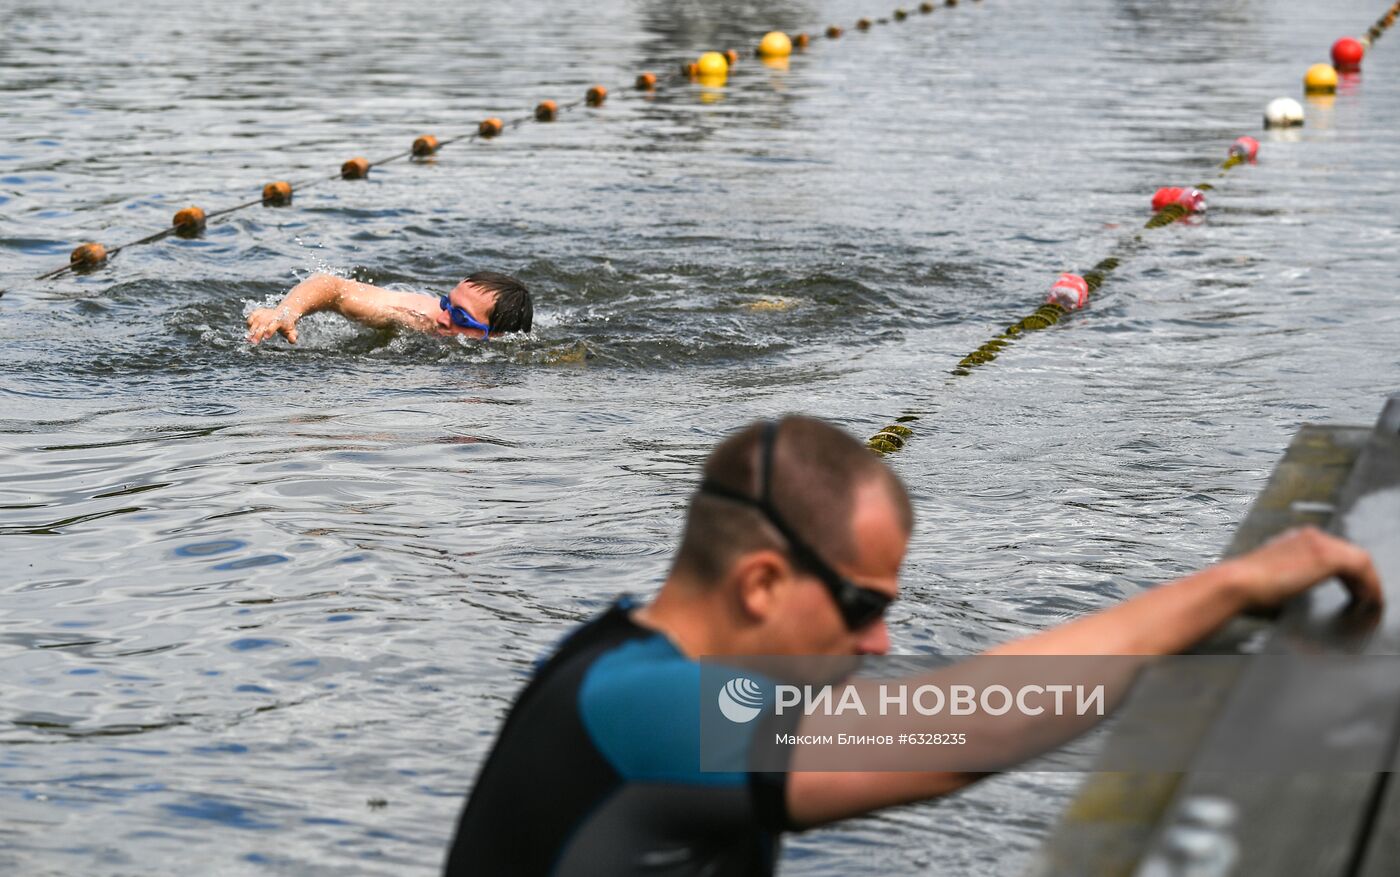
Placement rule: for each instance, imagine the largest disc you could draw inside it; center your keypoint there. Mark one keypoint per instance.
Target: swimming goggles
(859, 606)
(461, 318)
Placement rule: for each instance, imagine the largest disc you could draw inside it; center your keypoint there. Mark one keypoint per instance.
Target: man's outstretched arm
(1173, 617)
(362, 302)
(1166, 620)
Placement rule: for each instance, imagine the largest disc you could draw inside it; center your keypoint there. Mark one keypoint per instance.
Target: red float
(1347, 54)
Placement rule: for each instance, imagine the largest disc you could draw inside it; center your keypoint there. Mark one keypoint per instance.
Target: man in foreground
(485, 302)
(792, 546)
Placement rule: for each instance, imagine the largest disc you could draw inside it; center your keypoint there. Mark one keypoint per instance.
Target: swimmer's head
(500, 298)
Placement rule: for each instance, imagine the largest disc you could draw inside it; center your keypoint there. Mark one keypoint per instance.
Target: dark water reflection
(262, 609)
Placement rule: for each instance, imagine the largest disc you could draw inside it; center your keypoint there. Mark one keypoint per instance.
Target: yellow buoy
(775, 44)
(1320, 79)
(712, 64)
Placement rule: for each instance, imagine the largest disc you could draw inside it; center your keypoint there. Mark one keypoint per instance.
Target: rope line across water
(191, 221)
(894, 436)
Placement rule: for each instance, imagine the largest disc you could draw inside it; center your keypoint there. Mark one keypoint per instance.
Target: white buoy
(1284, 112)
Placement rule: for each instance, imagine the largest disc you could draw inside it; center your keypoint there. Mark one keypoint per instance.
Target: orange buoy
(355, 169)
(425, 146)
(88, 255)
(692, 69)
(925, 7)
(900, 15)
(731, 56)
(490, 127)
(278, 193)
(801, 41)
(188, 221)
(547, 111)
(646, 82)
(833, 32)
(596, 95)
(863, 24)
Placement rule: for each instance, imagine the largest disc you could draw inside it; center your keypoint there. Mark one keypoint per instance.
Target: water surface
(262, 609)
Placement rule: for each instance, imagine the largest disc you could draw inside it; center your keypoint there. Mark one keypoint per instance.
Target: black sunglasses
(858, 605)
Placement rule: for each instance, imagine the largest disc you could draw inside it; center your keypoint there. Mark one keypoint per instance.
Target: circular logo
(741, 700)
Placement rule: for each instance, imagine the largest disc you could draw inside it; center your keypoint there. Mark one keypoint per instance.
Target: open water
(261, 610)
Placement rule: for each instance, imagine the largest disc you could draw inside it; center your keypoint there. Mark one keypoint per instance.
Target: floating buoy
(712, 64)
(355, 169)
(863, 24)
(546, 111)
(1347, 54)
(1320, 79)
(425, 146)
(1070, 292)
(1246, 148)
(490, 127)
(925, 8)
(900, 15)
(1283, 112)
(801, 41)
(692, 70)
(775, 44)
(833, 32)
(1192, 200)
(87, 255)
(646, 82)
(277, 194)
(731, 56)
(188, 221)
(596, 95)
(950, 2)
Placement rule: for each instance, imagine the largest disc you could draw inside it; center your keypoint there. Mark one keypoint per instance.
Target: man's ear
(756, 577)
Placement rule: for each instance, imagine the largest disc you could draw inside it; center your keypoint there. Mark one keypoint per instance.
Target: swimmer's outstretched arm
(1166, 620)
(361, 302)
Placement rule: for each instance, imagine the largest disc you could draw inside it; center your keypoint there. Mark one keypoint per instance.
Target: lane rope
(191, 221)
(1170, 205)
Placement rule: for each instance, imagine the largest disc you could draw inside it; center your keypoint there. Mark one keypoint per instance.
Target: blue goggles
(461, 318)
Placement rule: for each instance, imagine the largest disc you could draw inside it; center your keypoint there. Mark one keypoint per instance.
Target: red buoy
(1246, 148)
(1347, 54)
(1070, 292)
(1194, 200)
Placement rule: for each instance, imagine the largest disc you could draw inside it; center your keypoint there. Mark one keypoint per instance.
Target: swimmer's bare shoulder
(362, 302)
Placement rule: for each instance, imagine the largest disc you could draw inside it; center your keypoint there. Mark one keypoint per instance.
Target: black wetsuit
(597, 771)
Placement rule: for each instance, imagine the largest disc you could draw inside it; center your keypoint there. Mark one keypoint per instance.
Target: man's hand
(1298, 559)
(263, 323)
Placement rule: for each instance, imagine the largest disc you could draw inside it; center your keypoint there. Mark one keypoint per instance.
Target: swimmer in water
(485, 303)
